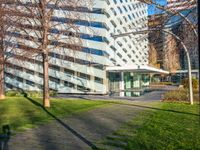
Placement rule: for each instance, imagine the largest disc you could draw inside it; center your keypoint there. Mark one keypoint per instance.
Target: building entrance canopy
(131, 80)
(136, 69)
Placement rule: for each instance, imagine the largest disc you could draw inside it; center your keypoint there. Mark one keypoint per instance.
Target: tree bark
(46, 102)
(2, 92)
(45, 27)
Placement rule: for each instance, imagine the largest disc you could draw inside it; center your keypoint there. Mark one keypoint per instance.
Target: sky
(152, 10)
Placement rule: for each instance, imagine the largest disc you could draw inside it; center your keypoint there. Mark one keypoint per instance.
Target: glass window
(53, 79)
(19, 79)
(84, 76)
(30, 83)
(99, 80)
(69, 84)
(29, 71)
(125, 8)
(54, 67)
(67, 71)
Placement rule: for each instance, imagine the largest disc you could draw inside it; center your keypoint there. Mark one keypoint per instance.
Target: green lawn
(20, 113)
(172, 126)
(161, 126)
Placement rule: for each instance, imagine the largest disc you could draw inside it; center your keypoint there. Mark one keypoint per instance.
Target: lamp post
(177, 38)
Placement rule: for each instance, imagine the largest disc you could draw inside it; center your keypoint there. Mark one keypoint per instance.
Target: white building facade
(84, 71)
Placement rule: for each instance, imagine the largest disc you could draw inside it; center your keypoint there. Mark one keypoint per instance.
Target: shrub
(161, 83)
(18, 93)
(53, 93)
(180, 95)
(195, 83)
(13, 93)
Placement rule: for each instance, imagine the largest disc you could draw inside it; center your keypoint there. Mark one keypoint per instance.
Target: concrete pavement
(78, 132)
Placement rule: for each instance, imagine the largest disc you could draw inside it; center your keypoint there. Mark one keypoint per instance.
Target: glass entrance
(134, 84)
(114, 83)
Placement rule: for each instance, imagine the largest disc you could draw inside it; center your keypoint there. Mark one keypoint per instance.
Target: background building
(156, 39)
(179, 26)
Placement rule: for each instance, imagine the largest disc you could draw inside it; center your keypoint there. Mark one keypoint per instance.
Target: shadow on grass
(120, 139)
(154, 108)
(124, 139)
(146, 107)
(82, 97)
(81, 137)
(135, 105)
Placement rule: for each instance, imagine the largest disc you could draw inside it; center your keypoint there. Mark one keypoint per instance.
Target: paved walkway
(155, 95)
(78, 132)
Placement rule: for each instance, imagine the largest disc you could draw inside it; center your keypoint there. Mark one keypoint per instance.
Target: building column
(121, 85)
(106, 83)
(76, 76)
(150, 78)
(92, 80)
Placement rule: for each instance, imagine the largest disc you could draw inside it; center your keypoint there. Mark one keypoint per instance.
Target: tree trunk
(46, 102)
(2, 93)
(45, 60)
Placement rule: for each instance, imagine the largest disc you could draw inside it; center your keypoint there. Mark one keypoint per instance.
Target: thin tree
(2, 94)
(6, 45)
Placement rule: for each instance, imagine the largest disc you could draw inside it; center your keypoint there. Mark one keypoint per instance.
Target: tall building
(87, 70)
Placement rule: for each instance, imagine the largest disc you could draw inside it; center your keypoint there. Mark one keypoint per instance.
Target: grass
(20, 113)
(167, 126)
(173, 126)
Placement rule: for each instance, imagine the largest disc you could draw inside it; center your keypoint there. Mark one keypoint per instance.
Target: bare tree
(51, 26)
(2, 95)
(6, 45)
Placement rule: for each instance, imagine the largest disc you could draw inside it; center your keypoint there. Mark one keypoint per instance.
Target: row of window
(57, 68)
(53, 79)
(64, 7)
(81, 35)
(130, 26)
(28, 82)
(64, 45)
(134, 7)
(79, 22)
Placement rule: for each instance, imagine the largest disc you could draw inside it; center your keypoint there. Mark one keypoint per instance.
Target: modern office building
(102, 64)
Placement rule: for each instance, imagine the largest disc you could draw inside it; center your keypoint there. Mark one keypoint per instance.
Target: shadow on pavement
(81, 137)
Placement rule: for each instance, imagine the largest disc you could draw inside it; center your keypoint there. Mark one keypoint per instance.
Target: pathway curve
(78, 132)
(154, 95)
